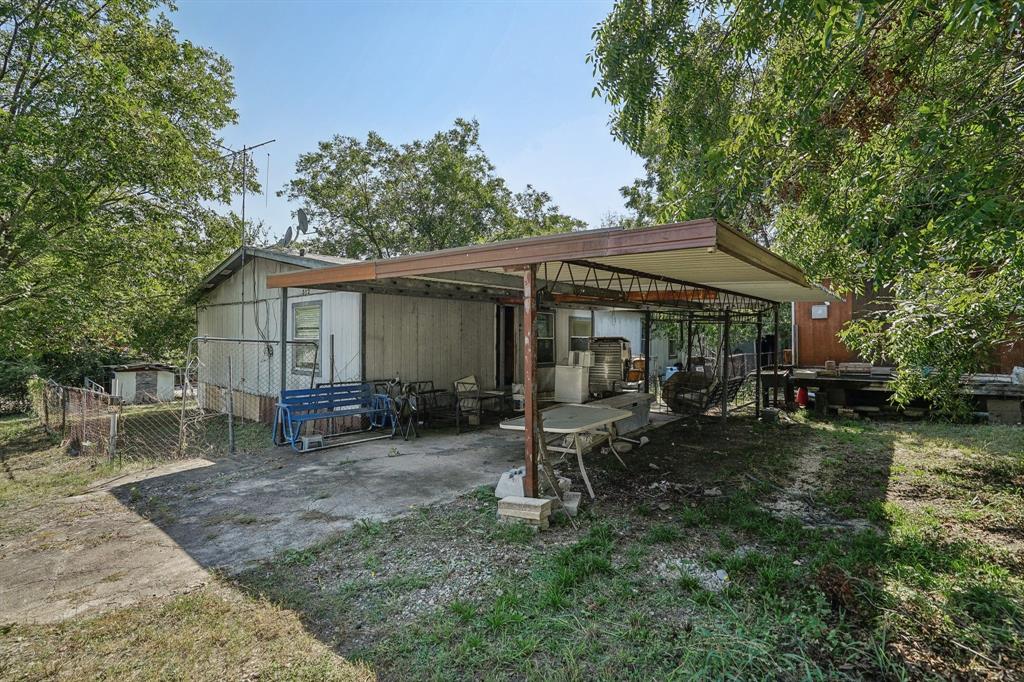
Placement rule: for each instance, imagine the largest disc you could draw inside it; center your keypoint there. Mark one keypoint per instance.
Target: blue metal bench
(335, 401)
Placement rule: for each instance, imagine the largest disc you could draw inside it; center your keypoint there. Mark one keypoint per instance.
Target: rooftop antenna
(244, 151)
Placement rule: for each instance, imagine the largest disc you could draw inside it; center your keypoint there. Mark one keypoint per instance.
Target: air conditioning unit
(581, 358)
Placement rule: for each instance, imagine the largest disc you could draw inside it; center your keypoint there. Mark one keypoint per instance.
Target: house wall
(816, 340)
(1008, 356)
(629, 324)
(625, 323)
(124, 386)
(428, 339)
(256, 366)
(165, 386)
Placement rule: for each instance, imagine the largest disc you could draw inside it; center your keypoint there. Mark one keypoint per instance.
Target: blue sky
(307, 70)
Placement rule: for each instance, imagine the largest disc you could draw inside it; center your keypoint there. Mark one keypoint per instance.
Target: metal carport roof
(696, 264)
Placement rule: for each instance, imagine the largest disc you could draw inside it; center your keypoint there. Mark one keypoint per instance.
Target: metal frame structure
(699, 272)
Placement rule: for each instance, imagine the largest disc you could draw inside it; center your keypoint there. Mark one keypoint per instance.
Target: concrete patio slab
(158, 532)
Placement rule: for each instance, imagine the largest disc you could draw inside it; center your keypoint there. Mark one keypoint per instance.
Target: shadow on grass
(829, 573)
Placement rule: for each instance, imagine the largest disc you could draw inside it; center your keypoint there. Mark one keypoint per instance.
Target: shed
(143, 382)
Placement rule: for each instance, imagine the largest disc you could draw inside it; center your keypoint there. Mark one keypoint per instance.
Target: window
(545, 338)
(306, 327)
(580, 331)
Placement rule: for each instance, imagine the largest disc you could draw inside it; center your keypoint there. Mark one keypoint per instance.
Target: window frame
(315, 369)
(554, 333)
(572, 337)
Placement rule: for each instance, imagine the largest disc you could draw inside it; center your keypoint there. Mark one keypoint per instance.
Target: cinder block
(511, 483)
(533, 504)
(527, 514)
(536, 526)
(571, 502)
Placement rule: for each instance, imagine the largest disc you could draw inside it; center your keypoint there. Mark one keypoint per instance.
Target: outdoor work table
(576, 420)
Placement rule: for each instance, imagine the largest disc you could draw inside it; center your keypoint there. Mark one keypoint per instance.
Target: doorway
(506, 346)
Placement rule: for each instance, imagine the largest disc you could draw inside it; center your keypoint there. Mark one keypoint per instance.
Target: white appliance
(581, 358)
(572, 384)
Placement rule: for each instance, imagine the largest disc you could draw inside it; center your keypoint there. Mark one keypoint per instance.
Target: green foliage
(940, 325)
(108, 129)
(864, 141)
(14, 385)
(371, 199)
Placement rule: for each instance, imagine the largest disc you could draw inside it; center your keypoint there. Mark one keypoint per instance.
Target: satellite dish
(286, 239)
(289, 235)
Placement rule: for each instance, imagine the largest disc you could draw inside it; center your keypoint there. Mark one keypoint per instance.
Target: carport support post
(283, 347)
(682, 337)
(757, 368)
(725, 368)
(775, 358)
(647, 351)
(689, 342)
(530, 377)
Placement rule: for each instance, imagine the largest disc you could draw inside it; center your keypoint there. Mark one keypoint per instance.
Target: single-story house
(369, 336)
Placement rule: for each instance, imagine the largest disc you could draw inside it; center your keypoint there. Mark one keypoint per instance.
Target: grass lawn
(803, 550)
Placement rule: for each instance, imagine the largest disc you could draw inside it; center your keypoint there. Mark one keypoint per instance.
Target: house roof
(141, 366)
(701, 263)
(233, 263)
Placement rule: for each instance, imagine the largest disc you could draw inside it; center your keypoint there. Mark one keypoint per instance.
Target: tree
(864, 140)
(109, 155)
(370, 199)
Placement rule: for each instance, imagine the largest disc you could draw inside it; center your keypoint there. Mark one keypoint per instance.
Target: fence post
(231, 411)
(81, 423)
(112, 442)
(63, 414)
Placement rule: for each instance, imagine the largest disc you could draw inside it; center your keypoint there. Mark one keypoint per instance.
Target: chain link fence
(223, 400)
(86, 421)
(230, 391)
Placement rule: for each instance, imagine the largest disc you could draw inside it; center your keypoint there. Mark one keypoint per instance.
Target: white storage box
(637, 403)
(572, 384)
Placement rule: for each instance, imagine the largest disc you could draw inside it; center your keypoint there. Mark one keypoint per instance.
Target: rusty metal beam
(723, 294)
(530, 377)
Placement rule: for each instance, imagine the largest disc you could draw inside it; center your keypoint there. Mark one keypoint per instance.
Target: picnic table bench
(576, 421)
(333, 401)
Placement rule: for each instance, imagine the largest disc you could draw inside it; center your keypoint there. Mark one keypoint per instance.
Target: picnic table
(576, 420)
